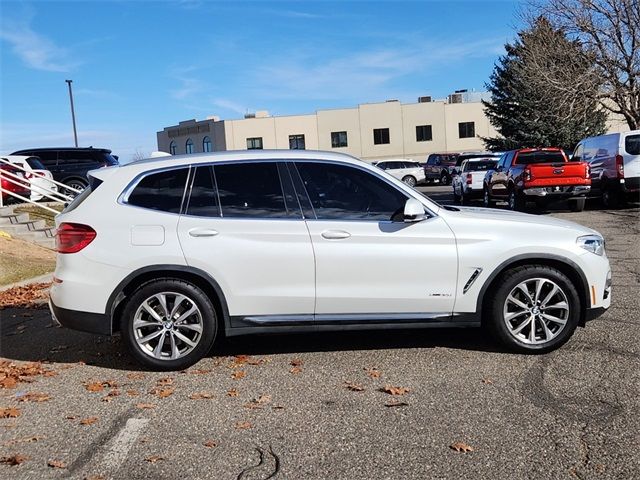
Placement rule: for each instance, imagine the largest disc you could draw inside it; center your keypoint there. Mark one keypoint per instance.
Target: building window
(338, 139)
(254, 143)
(296, 142)
(173, 148)
(206, 144)
(380, 136)
(423, 133)
(188, 146)
(466, 130)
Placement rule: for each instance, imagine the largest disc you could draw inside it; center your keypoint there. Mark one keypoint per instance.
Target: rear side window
(35, 163)
(632, 144)
(48, 158)
(76, 156)
(252, 190)
(160, 191)
(203, 201)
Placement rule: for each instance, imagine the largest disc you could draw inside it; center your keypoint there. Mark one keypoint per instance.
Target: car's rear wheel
(76, 186)
(169, 324)
(515, 200)
(535, 309)
(445, 179)
(577, 204)
(409, 180)
(611, 197)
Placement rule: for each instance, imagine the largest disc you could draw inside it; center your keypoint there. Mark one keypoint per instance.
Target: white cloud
(35, 50)
(230, 106)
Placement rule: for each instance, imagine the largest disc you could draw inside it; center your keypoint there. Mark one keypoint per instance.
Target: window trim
(346, 139)
(466, 123)
(255, 138)
(430, 139)
(123, 198)
(381, 130)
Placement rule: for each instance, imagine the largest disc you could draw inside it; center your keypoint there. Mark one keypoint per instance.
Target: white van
(615, 166)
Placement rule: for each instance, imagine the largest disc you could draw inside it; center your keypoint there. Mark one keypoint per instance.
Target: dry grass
(20, 260)
(37, 213)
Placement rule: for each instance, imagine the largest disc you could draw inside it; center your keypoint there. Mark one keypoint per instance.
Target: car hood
(506, 216)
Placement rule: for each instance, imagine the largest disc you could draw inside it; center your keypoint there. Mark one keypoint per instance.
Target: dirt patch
(20, 260)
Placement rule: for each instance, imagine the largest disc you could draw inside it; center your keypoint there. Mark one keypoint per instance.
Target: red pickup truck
(542, 175)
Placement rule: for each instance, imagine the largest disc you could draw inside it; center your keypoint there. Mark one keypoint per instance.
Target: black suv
(70, 165)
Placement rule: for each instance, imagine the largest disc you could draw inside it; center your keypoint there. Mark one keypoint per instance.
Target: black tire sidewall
(513, 278)
(209, 320)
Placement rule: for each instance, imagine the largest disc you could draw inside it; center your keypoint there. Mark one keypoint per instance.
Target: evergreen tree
(544, 92)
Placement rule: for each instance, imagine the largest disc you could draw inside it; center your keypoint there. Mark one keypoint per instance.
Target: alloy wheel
(536, 311)
(167, 326)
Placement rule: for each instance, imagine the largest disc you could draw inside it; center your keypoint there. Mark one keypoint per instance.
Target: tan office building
(371, 131)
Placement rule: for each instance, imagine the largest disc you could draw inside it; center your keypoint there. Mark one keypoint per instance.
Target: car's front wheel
(534, 309)
(445, 179)
(486, 198)
(169, 324)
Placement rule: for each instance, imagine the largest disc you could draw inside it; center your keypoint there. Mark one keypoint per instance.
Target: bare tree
(609, 31)
(139, 155)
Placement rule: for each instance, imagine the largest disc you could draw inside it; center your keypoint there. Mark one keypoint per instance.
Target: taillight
(73, 237)
(469, 179)
(620, 166)
(588, 173)
(527, 175)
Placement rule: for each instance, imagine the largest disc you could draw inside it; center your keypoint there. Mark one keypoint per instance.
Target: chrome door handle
(203, 232)
(335, 234)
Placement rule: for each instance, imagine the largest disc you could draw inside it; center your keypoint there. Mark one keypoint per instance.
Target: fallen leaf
(14, 459)
(165, 392)
(94, 387)
(394, 390)
(133, 393)
(373, 372)
(10, 412)
(395, 403)
(135, 375)
(461, 447)
(232, 392)
(240, 359)
(259, 402)
(34, 397)
(88, 421)
(237, 375)
(256, 361)
(25, 296)
(243, 425)
(165, 381)
(154, 458)
(487, 381)
(296, 362)
(146, 406)
(354, 387)
(22, 440)
(8, 382)
(95, 477)
(70, 417)
(201, 396)
(210, 444)
(278, 407)
(56, 464)
(295, 370)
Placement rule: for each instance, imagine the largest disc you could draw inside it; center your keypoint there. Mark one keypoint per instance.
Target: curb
(47, 277)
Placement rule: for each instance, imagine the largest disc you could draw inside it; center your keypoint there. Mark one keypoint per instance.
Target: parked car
(38, 176)
(233, 243)
(469, 179)
(408, 171)
(615, 166)
(439, 166)
(10, 184)
(542, 174)
(70, 165)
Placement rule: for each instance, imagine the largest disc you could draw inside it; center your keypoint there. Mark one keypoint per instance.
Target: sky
(139, 66)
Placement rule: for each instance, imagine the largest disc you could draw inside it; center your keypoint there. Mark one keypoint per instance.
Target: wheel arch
(201, 279)
(571, 269)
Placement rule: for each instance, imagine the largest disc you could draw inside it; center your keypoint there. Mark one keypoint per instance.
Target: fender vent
(472, 279)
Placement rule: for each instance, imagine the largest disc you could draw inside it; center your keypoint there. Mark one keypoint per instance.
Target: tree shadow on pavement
(30, 335)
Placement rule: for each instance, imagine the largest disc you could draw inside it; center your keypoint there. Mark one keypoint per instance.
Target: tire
(77, 185)
(486, 198)
(457, 198)
(610, 197)
(577, 204)
(515, 200)
(410, 180)
(445, 179)
(503, 319)
(138, 323)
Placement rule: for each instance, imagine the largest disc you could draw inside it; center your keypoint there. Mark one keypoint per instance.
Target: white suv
(411, 173)
(172, 252)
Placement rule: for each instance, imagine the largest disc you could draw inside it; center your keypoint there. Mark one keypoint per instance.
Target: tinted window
(49, 159)
(480, 166)
(382, 165)
(380, 136)
(338, 139)
(71, 156)
(348, 193)
(160, 191)
(540, 157)
(35, 163)
(203, 201)
(632, 144)
(250, 190)
(423, 133)
(466, 129)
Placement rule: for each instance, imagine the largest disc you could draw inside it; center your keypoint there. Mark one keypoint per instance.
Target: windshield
(480, 166)
(540, 156)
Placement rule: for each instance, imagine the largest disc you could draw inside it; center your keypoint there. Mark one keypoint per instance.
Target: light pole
(73, 113)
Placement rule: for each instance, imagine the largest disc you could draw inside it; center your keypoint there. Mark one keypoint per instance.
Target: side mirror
(414, 211)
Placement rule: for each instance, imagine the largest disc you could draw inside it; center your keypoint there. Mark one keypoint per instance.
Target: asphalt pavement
(317, 406)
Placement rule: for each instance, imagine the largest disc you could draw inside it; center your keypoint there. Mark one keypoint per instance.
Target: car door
(500, 177)
(370, 264)
(243, 226)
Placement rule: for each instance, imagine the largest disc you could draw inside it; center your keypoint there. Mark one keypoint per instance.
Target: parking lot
(354, 405)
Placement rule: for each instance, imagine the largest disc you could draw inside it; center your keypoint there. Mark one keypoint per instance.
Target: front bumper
(84, 321)
(558, 192)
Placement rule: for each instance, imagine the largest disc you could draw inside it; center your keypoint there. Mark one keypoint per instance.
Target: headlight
(592, 243)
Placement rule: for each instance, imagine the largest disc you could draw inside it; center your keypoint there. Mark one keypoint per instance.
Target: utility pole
(73, 113)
